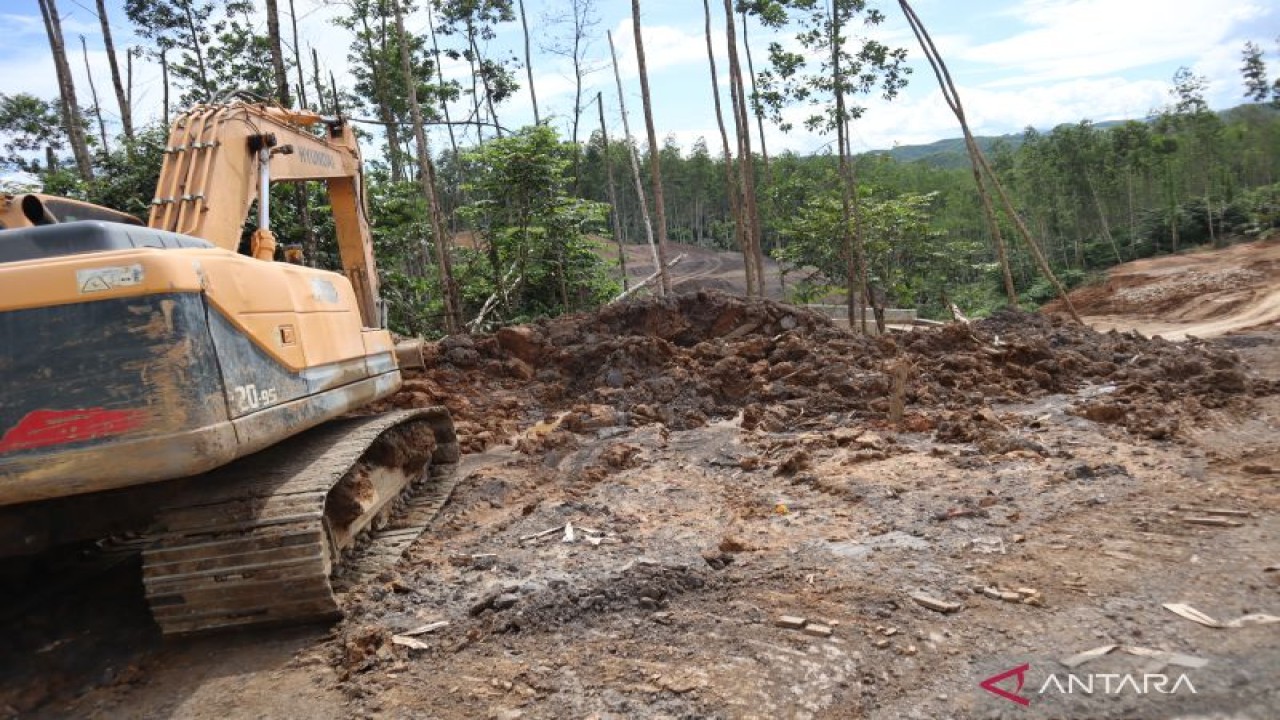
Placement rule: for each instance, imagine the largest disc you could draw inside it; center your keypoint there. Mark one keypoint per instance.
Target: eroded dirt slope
(1206, 293)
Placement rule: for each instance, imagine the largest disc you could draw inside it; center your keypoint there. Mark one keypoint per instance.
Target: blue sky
(1017, 62)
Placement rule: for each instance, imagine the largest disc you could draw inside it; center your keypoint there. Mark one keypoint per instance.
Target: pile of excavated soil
(686, 360)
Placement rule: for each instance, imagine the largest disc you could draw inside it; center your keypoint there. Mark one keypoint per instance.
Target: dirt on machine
(167, 379)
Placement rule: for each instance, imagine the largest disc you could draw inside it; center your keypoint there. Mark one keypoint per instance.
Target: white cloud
(1095, 38)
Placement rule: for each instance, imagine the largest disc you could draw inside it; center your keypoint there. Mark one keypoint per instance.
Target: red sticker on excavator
(41, 428)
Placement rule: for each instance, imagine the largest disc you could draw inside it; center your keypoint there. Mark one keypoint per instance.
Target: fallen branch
(647, 280)
(492, 301)
(542, 534)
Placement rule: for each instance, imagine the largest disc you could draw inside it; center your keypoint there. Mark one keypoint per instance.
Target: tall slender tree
(731, 187)
(277, 54)
(122, 100)
(71, 118)
(750, 206)
(528, 64)
(439, 238)
(655, 164)
(632, 156)
(93, 95)
(616, 221)
(841, 75)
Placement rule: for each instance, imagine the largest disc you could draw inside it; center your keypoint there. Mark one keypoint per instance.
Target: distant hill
(950, 153)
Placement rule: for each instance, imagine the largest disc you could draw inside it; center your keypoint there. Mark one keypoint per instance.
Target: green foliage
(211, 47)
(829, 84)
(534, 233)
(29, 124)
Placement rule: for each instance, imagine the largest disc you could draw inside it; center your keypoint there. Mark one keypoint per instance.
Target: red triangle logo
(1019, 672)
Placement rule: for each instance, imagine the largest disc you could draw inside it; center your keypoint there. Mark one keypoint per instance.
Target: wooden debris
(409, 642)
(817, 630)
(542, 534)
(1166, 657)
(1192, 614)
(1081, 658)
(1120, 555)
(424, 629)
(1212, 521)
(791, 622)
(1227, 513)
(935, 604)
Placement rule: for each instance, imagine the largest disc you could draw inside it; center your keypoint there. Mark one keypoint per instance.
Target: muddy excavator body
(143, 369)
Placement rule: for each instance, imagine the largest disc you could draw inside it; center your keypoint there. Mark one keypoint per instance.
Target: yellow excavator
(162, 377)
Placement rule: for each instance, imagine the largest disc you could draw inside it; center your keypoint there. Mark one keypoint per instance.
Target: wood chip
(542, 534)
(424, 629)
(1166, 657)
(1227, 513)
(409, 642)
(1081, 658)
(1192, 614)
(1213, 521)
(817, 630)
(790, 622)
(935, 604)
(1121, 555)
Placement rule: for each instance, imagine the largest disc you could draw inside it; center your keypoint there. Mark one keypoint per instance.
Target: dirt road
(653, 492)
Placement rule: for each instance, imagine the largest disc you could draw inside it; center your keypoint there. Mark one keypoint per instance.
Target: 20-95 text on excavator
(153, 378)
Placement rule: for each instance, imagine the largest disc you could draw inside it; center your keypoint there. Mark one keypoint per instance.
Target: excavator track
(264, 539)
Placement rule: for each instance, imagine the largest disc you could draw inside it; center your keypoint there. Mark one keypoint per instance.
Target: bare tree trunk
(732, 189)
(528, 64)
(1102, 217)
(979, 164)
(746, 161)
(755, 107)
(128, 64)
(277, 54)
(655, 166)
(444, 104)
(380, 92)
(197, 49)
(126, 110)
(93, 93)
(472, 58)
(315, 79)
(66, 88)
(635, 162)
(164, 81)
(1010, 290)
(613, 193)
(449, 287)
(297, 57)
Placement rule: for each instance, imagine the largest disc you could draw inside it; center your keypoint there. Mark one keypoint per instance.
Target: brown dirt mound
(686, 360)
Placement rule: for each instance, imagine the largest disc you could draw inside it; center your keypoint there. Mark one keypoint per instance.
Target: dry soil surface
(655, 492)
(1206, 293)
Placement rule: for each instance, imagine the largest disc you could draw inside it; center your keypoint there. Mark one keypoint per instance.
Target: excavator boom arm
(213, 173)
